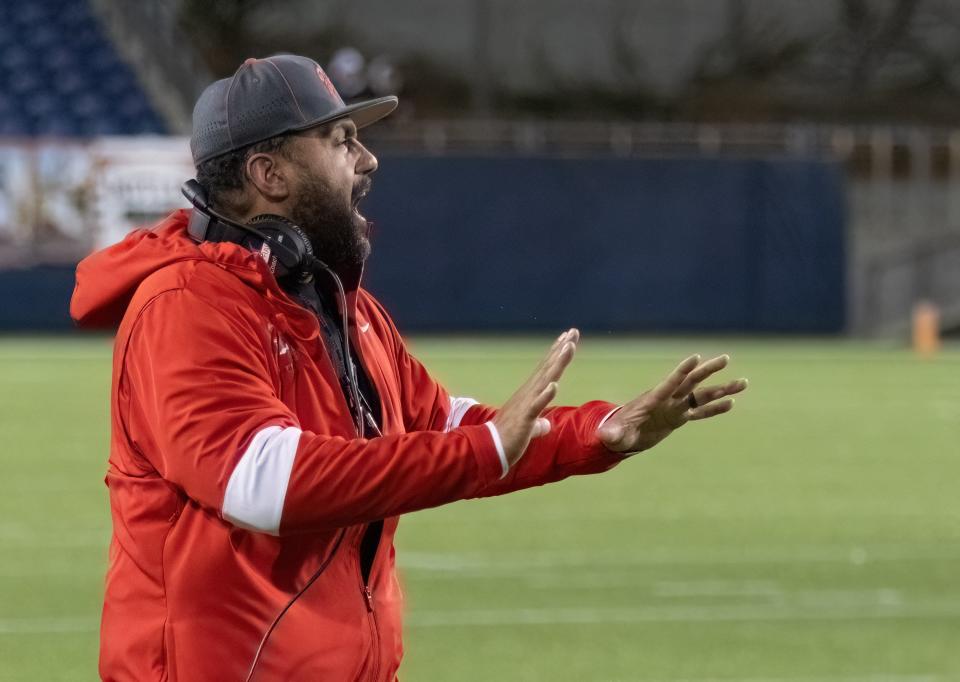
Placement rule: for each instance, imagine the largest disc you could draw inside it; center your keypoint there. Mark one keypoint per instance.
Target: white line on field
(580, 616)
(716, 588)
(828, 678)
(680, 614)
(617, 580)
(763, 591)
(826, 511)
(513, 562)
(47, 626)
(71, 571)
(607, 580)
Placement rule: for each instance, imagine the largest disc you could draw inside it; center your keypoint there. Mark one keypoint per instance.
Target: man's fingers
(711, 366)
(557, 360)
(569, 336)
(572, 335)
(711, 393)
(541, 400)
(668, 386)
(557, 341)
(710, 410)
(535, 382)
(699, 373)
(555, 369)
(550, 354)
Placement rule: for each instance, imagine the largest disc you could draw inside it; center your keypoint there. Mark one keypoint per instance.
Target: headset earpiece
(287, 242)
(284, 246)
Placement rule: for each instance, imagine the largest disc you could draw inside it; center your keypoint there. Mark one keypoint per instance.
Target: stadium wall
(618, 244)
(527, 244)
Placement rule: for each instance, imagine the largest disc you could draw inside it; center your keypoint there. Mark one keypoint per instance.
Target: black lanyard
(314, 301)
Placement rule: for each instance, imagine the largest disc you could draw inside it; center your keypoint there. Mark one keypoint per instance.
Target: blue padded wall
(659, 244)
(524, 244)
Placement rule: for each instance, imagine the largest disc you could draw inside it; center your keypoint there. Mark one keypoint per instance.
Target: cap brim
(362, 113)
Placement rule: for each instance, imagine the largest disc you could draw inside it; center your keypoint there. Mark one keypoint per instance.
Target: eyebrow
(348, 127)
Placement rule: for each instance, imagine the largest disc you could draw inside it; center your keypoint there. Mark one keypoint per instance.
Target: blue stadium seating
(60, 75)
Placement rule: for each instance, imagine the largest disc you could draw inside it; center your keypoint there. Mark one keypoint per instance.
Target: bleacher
(61, 76)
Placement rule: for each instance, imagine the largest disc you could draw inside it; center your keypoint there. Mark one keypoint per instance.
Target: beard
(337, 232)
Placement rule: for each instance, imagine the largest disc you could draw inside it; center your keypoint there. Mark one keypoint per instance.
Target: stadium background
(777, 179)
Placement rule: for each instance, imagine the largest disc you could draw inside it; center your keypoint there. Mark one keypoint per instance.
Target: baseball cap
(270, 96)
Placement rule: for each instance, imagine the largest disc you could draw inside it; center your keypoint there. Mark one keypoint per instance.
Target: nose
(366, 162)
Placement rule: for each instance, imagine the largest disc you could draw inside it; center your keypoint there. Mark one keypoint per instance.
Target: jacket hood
(107, 279)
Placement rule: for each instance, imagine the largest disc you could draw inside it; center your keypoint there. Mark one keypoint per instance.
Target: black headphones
(288, 252)
(284, 246)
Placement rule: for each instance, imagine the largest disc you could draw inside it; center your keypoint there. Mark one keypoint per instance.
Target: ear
(269, 173)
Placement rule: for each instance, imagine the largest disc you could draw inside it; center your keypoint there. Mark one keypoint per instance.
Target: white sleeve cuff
(458, 410)
(258, 485)
(608, 415)
(604, 421)
(495, 434)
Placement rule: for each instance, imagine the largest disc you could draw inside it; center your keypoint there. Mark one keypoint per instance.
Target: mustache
(361, 189)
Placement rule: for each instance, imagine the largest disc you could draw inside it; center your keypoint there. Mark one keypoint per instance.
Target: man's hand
(654, 415)
(519, 421)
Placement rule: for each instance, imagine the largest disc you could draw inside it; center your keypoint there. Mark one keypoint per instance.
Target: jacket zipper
(367, 596)
(366, 593)
(365, 587)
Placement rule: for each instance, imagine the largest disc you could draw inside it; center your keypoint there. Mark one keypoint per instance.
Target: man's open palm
(655, 414)
(519, 420)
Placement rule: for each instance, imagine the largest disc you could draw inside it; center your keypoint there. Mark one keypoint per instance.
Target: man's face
(332, 175)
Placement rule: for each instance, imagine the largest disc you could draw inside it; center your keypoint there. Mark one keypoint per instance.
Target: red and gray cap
(267, 97)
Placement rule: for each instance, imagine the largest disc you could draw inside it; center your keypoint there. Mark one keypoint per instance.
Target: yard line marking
(716, 588)
(884, 596)
(765, 592)
(54, 571)
(881, 677)
(58, 357)
(57, 543)
(21, 535)
(679, 614)
(547, 515)
(47, 626)
(514, 562)
(547, 580)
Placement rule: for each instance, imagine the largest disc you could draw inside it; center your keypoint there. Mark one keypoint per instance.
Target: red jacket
(235, 469)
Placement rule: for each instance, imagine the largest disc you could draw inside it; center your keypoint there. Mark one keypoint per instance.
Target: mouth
(360, 191)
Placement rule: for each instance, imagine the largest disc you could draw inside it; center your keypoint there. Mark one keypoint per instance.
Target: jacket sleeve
(199, 403)
(571, 447)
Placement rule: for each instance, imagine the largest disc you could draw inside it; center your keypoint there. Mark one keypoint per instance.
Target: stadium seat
(41, 103)
(13, 124)
(55, 125)
(63, 76)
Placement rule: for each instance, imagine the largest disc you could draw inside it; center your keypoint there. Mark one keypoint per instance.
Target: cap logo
(327, 83)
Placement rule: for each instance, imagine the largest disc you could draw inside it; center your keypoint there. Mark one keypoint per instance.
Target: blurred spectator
(347, 69)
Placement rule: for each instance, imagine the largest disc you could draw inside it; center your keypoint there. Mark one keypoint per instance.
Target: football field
(812, 535)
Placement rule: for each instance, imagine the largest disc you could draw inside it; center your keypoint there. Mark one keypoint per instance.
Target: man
(253, 517)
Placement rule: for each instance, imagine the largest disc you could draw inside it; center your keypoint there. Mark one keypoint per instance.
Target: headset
(287, 250)
(284, 246)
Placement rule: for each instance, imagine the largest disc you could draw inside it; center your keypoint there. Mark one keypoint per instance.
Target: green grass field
(812, 535)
